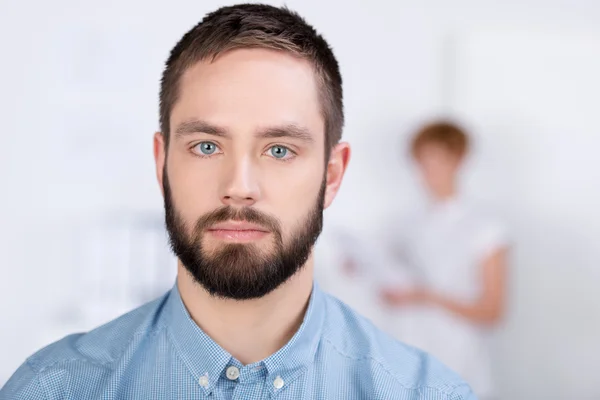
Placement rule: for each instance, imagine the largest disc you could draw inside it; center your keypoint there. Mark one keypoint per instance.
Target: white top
(443, 247)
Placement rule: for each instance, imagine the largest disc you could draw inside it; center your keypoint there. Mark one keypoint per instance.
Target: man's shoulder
(104, 345)
(395, 365)
(83, 361)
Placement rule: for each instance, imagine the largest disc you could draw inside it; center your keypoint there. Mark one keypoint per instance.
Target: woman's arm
(487, 309)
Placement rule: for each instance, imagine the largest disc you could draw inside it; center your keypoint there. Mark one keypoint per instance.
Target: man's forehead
(242, 56)
(257, 88)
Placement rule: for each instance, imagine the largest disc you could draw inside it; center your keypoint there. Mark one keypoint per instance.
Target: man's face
(244, 178)
(438, 166)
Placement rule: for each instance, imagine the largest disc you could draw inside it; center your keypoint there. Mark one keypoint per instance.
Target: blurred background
(80, 208)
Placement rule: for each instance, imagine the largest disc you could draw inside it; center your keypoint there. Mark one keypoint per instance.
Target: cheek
(293, 193)
(435, 170)
(193, 189)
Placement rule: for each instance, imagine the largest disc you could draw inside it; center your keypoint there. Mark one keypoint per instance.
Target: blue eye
(207, 148)
(279, 151)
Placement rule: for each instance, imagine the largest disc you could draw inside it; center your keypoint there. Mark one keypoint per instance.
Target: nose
(240, 184)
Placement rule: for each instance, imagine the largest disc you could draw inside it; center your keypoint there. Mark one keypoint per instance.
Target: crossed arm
(487, 309)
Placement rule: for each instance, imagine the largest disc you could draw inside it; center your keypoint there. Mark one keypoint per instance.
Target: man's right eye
(205, 148)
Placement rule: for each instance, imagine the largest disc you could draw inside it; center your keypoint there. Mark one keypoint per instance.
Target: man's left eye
(278, 151)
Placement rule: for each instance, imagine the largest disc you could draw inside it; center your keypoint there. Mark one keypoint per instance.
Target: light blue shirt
(158, 352)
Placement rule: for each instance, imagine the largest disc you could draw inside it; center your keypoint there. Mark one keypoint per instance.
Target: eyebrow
(291, 131)
(199, 126)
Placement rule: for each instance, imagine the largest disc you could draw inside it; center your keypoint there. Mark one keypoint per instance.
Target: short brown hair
(443, 133)
(256, 26)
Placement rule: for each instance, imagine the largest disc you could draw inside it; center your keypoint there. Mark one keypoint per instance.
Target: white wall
(532, 96)
(78, 99)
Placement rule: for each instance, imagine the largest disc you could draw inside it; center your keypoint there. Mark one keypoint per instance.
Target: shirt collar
(207, 361)
(451, 207)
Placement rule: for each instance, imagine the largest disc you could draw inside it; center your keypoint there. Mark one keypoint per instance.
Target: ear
(159, 158)
(336, 167)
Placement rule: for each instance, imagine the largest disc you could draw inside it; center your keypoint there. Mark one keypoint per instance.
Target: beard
(241, 271)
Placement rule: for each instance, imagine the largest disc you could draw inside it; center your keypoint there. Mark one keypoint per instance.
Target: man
(247, 158)
(457, 255)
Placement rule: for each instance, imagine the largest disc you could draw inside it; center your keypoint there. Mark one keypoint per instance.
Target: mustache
(246, 214)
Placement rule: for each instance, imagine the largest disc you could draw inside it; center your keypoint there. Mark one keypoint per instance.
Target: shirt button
(278, 383)
(233, 373)
(203, 381)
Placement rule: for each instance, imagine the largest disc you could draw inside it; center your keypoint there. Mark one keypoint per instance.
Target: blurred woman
(457, 255)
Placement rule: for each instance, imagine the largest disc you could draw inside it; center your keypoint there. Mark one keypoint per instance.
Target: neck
(442, 194)
(249, 330)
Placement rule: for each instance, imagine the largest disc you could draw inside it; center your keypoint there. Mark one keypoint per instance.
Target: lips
(238, 232)
(240, 226)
